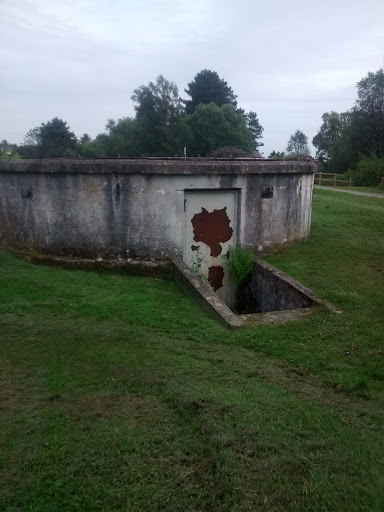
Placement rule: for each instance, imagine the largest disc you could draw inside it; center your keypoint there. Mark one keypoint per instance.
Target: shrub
(299, 156)
(369, 172)
(228, 152)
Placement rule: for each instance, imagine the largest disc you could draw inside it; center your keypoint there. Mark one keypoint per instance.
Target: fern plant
(240, 264)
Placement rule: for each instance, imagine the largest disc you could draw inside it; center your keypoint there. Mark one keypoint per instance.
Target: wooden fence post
(334, 180)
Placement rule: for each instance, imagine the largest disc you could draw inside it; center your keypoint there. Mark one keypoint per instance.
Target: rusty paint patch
(212, 228)
(195, 247)
(216, 276)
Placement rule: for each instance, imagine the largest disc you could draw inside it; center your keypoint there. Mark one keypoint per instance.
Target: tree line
(208, 122)
(351, 142)
(344, 138)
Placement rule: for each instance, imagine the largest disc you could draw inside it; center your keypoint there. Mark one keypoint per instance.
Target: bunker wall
(130, 208)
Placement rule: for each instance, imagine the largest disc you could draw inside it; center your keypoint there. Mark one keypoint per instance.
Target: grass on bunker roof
(119, 393)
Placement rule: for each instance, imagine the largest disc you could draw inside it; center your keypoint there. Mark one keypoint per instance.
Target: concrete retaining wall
(272, 290)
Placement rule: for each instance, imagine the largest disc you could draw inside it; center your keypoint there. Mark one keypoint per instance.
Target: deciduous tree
(345, 138)
(122, 138)
(30, 147)
(255, 128)
(370, 108)
(160, 130)
(215, 127)
(298, 143)
(336, 148)
(32, 137)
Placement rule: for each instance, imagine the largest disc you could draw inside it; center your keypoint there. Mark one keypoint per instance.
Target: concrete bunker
(156, 208)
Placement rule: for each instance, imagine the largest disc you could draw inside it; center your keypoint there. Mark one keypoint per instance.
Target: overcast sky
(289, 61)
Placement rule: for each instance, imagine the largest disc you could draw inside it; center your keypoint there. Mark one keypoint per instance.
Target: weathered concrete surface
(275, 317)
(156, 166)
(128, 207)
(273, 306)
(162, 269)
(271, 290)
(207, 298)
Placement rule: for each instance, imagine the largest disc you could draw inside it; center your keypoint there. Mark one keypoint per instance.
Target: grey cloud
(80, 60)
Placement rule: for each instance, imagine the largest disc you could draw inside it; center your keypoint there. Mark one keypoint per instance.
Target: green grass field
(118, 393)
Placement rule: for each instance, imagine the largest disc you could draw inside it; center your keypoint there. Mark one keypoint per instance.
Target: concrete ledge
(157, 268)
(175, 166)
(275, 317)
(209, 300)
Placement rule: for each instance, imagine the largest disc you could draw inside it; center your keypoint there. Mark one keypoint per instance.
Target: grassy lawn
(118, 393)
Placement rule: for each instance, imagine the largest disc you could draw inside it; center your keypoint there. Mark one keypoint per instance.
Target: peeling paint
(216, 276)
(212, 228)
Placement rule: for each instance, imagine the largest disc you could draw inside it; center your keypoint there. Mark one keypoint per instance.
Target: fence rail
(332, 180)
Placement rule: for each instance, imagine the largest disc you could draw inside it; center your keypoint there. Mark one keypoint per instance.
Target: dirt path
(355, 192)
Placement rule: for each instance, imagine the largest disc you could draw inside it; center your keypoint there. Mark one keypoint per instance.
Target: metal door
(210, 229)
